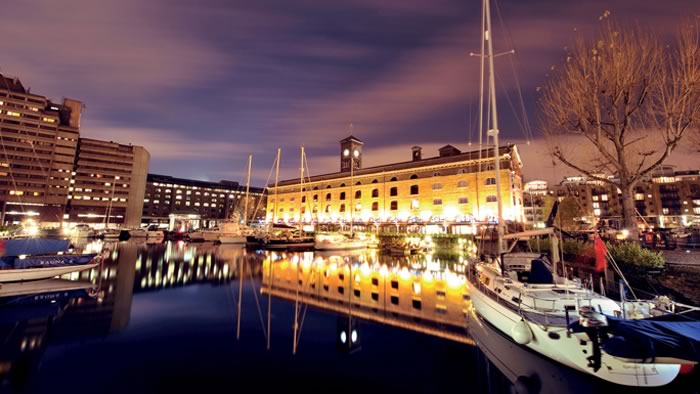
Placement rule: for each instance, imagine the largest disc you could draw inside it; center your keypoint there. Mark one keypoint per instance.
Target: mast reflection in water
(166, 317)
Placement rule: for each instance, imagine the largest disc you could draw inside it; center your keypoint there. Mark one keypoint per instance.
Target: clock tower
(350, 152)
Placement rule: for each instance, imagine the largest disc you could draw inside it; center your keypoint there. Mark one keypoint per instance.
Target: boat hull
(27, 274)
(210, 236)
(568, 349)
(351, 245)
(233, 239)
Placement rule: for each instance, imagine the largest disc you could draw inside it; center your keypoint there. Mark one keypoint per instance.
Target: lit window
(595, 198)
(206, 204)
(178, 197)
(122, 199)
(415, 204)
(156, 201)
(604, 197)
(665, 211)
(596, 212)
(196, 204)
(49, 120)
(639, 196)
(13, 113)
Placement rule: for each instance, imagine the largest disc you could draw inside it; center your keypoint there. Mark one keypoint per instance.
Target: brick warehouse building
(451, 187)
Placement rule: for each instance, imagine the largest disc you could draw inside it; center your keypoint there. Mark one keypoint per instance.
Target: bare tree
(621, 105)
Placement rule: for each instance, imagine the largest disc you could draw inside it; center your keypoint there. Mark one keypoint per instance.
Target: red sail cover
(601, 261)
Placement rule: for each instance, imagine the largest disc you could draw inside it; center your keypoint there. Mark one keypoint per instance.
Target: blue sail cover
(53, 261)
(654, 337)
(35, 246)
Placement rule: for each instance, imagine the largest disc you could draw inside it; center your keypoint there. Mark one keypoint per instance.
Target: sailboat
(342, 241)
(231, 231)
(282, 236)
(522, 295)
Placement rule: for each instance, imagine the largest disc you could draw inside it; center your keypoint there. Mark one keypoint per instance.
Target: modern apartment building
(454, 186)
(108, 184)
(199, 203)
(45, 167)
(667, 198)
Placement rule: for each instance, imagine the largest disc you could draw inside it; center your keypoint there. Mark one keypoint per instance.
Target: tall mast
(352, 186)
(482, 61)
(301, 187)
(277, 177)
(494, 124)
(111, 199)
(247, 189)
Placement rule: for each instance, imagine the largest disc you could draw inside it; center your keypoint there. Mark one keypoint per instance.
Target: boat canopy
(33, 246)
(669, 336)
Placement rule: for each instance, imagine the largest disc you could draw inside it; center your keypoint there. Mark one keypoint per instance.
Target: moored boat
(21, 268)
(138, 233)
(338, 241)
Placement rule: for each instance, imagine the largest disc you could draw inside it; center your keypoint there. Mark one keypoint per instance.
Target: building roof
(230, 185)
(406, 165)
(12, 84)
(351, 138)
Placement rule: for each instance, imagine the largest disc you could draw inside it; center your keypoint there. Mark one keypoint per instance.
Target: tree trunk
(629, 212)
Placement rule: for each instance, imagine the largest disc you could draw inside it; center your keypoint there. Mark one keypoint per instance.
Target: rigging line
(257, 302)
(267, 182)
(482, 65)
(312, 273)
(513, 60)
(512, 107)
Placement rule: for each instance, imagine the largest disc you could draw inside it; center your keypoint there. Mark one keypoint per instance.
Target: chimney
(417, 153)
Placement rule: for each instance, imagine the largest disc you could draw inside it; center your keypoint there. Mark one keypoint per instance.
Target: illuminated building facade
(451, 187)
(534, 203)
(204, 203)
(39, 139)
(51, 175)
(667, 198)
(109, 179)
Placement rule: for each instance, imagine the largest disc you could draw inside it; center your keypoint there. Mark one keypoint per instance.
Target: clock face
(357, 153)
(346, 152)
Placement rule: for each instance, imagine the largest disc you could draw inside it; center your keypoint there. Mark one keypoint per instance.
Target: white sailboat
(522, 296)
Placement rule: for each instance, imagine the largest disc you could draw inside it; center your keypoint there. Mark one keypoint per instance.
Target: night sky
(202, 83)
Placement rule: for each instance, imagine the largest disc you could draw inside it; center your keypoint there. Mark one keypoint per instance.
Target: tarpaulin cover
(35, 246)
(655, 337)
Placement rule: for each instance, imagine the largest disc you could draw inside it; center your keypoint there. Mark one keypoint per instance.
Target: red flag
(601, 261)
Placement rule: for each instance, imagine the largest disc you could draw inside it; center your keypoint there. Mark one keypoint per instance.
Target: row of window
(393, 205)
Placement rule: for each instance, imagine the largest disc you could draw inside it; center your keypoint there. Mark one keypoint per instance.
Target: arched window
(328, 187)
(394, 191)
(358, 183)
(342, 185)
(315, 187)
(375, 181)
(358, 194)
(462, 184)
(414, 190)
(462, 171)
(342, 195)
(491, 198)
(375, 193)
(436, 174)
(414, 176)
(342, 207)
(328, 196)
(393, 179)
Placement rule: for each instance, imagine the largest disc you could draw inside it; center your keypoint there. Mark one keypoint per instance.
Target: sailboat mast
(247, 189)
(352, 192)
(277, 177)
(482, 66)
(494, 124)
(301, 187)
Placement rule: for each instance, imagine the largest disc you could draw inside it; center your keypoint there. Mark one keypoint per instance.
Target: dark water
(163, 318)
